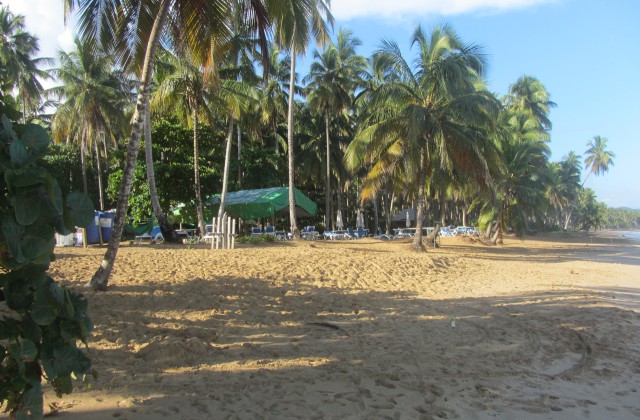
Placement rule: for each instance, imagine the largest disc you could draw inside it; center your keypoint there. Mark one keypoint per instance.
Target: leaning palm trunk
(227, 164)
(99, 170)
(196, 172)
(100, 279)
(422, 178)
(292, 196)
(327, 193)
(168, 233)
(431, 238)
(497, 236)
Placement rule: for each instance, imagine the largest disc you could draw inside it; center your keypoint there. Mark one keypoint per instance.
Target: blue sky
(584, 51)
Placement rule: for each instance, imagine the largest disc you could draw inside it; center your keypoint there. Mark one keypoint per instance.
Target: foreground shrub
(41, 321)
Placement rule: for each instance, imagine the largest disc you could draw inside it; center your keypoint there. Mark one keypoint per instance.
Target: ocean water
(630, 234)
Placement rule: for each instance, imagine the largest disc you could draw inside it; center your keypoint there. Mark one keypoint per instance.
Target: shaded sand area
(548, 327)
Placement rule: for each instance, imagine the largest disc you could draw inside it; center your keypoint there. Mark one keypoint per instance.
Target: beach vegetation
(42, 321)
(374, 134)
(255, 239)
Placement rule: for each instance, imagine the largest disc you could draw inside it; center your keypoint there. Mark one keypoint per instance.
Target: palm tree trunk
(464, 214)
(292, 197)
(225, 174)
(99, 170)
(100, 279)
(327, 193)
(498, 234)
(167, 230)
(196, 171)
(239, 158)
(376, 215)
(422, 179)
(83, 165)
(275, 137)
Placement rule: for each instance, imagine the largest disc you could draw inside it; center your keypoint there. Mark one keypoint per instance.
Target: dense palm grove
(376, 133)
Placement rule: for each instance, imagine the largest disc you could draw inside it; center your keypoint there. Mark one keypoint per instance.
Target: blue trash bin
(106, 225)
(93, 236)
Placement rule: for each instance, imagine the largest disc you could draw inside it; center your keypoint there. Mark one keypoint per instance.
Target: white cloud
(349, 9)
(44, 19)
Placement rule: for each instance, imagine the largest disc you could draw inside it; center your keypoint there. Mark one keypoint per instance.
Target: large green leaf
(27, 205)
(63, 385)
(18, 153)
(60, 360)
(55, 194)
(13, 234)
(24, 350)
(32, 399)
(35, 138)
(7, 128)
(25, 177)
(45, 307)
(31, 330)
(78, 211)
(35, 246)
(18, 294)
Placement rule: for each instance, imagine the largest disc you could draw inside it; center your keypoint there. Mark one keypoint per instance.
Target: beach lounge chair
(208, 234)
(270, 230)
(350, 234)
(332, 235)
(361, 233)
(256, 230)
(309, 233)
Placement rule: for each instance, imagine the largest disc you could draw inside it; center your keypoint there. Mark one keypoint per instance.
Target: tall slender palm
(93, 96)
(99, 21)
(135, 32)
(18, 67)
(274, 93)
(235, 90)
(436, 112)
(183, 90)
(334, 77)
(597, 161)
(294, 27)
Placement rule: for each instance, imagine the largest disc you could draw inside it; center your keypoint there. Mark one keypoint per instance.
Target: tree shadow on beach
(292, 348)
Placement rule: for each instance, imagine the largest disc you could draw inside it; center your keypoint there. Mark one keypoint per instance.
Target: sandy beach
(548, 327)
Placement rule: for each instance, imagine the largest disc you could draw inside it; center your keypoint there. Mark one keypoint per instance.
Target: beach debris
(453, 321)
(328, 325)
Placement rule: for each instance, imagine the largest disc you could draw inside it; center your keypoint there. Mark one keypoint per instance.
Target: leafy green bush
(41, 321)
(256, 239)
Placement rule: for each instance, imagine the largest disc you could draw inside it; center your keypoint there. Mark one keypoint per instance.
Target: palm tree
(17, 67)
(432, 112)
(597, 161)
(530, 98)
(273, 95)
(182, 89)
(235, 90)
(136, 32)
(93, 96)
(294, 26)
(334, 77)
(520, 191)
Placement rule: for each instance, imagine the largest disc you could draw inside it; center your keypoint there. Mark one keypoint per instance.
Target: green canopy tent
(266, 202)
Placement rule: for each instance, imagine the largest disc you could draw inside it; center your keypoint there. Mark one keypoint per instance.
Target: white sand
(545, 328)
